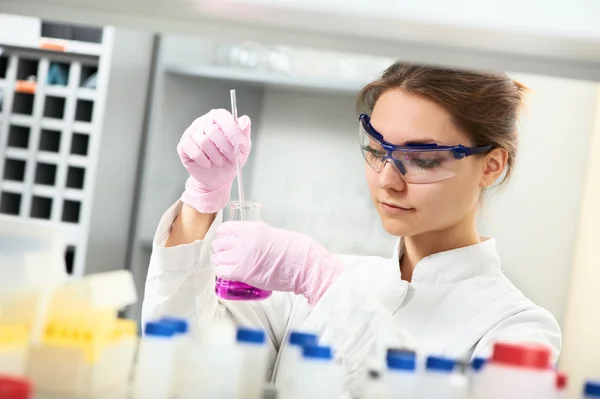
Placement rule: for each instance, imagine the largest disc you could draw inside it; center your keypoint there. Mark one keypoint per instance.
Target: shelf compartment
(14, 169)
(87, 79)
(27, 68)
(59, 30)
(58, 74)
(50, 140)
(45, 173)
(80, 144)
(18, 136)
(71, 211)
(54, 107)
(41, 207)
(10, 203)
(84, 110)
(75, 177)
(23, 104)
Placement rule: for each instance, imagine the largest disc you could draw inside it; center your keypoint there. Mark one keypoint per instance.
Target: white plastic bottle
(591, 390)
(155, 361)
(402, 379)
(212, 366)
(318, 376)
(440, 381)
(297, 341)
(517, 372)
(475, 368)
(252, 344)
(376, 387)
(477, 364)
(183, 341)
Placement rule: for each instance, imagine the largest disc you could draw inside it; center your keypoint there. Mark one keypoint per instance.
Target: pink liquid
(238, 291)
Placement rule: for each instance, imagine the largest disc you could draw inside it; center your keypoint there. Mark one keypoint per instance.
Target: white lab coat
(458, 303)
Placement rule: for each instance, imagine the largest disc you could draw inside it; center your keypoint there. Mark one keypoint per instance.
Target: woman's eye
(425, 163)
(374, 152)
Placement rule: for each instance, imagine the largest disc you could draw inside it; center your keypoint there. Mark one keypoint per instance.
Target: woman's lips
(394, 209)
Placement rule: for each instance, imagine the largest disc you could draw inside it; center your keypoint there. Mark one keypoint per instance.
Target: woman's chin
(397, 228)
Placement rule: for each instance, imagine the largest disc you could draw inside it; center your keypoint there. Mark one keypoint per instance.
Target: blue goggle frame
(458, 151)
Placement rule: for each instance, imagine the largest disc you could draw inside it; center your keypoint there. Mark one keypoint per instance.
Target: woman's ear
(494, 164)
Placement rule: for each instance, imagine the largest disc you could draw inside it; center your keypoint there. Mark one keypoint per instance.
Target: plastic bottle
(181, 325)
(477, 364)
(318, 376)
(252, 344)
(182, 339)
(441, 382)
(591, 390)
(517, 372)
(376, 387)
(475, 368)
(211, 367)
(562, 381)
(296, 343)
(402, 379)
(153, 376)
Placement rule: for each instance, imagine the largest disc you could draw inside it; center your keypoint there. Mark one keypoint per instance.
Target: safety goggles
(417, 163)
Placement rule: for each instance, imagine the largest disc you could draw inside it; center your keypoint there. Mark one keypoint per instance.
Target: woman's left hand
(274, 259)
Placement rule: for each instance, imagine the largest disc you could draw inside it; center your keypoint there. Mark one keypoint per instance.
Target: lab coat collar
(456, 264)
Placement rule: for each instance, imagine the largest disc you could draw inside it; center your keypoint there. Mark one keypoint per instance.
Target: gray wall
(120, 149)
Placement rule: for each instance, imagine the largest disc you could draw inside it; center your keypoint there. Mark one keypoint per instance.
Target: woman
(433, 140)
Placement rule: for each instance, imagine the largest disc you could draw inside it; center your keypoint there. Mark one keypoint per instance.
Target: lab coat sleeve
(531, 325)
(352, 317)
(181, 283)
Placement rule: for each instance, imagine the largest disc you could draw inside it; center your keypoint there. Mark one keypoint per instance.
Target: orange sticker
(25, 87)
(52, 46)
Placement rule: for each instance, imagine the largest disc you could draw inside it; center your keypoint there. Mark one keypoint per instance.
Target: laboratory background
(94, 97)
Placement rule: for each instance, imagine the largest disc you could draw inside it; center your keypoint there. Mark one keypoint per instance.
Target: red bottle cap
(562, 380)
(15, 388)
(518, 355)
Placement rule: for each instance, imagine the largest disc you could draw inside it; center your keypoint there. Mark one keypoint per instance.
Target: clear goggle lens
(415, 165)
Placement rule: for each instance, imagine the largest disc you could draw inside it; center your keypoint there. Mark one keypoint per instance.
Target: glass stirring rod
(237, 160)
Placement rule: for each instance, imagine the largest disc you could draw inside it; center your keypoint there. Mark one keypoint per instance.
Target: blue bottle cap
(303, 339)
(181, 325)
(592, 389)
(400, 352)
(404, 362)
(317, 352)
(478, 363)
(158, 329)
(251, 336)
(443, 364)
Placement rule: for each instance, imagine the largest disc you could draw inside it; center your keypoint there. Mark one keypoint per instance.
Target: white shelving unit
(50, 133)
(266, 78)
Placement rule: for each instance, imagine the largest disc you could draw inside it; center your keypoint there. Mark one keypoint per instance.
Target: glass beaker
(236, 290)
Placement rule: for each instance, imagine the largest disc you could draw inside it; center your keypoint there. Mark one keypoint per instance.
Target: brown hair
(484, 105)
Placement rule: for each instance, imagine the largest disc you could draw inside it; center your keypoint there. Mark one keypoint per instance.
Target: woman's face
(412, 209)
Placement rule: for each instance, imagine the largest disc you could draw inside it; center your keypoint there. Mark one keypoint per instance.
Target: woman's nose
(390, 177)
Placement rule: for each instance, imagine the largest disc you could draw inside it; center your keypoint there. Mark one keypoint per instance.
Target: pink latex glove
(274, 259)
(207, 150)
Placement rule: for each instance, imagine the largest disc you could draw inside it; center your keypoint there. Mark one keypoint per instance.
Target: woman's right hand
(207, 151)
